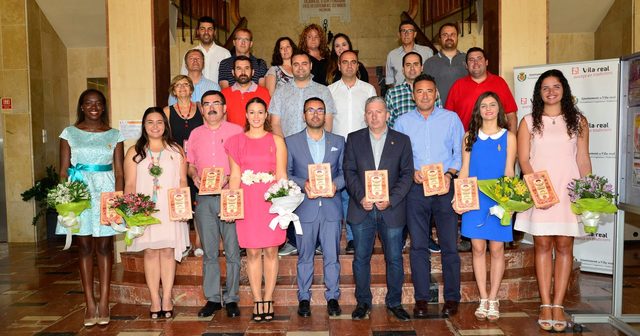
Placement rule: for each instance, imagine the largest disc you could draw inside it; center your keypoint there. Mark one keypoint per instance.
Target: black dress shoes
(333, 308)
(361, 312)
(450, 308)
(209, 309)
(232, 309)
(304, 308)
(420, 311)
(400, 313)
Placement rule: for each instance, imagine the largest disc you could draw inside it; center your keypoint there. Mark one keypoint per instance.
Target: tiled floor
(40, 294)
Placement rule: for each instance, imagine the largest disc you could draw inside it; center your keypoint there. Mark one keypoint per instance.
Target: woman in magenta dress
(257, 150)
(162, 243)
(555, 138)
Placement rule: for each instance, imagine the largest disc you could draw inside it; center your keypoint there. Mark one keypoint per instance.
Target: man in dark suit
(320, 217)
(378, 147)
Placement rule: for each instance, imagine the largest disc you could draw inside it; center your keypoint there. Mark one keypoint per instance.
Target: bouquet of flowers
(70, 199)
(511, 194)
(135, 210)
(590, 197)
(285, 196)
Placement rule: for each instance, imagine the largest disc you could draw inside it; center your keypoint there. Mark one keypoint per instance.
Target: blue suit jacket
(397, 159)
(298, 159)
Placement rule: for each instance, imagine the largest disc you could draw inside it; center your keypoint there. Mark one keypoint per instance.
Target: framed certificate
(211, 180)
(231, 204)
(466, 193)
(179, 204)
(433, 179)
(376, 185)
(320, 182)
(541, 189)
(108, 214)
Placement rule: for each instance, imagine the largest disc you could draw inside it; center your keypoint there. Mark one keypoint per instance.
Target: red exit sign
(6, 103)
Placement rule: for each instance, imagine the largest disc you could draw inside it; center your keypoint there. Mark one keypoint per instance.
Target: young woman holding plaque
(251, 153)
(487, 138)
(155, 164)
(555, 138)
(91, 151)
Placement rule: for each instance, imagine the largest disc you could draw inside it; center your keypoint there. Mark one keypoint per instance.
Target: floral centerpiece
(511, 194)
(70, 199)
(135, 210)
(590, 197)
(285, 196)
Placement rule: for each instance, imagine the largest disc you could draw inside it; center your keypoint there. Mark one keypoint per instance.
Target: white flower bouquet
(249, 177)
(70, 199)
(285, 196)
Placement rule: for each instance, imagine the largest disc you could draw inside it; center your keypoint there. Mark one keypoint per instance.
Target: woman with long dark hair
(341, 43)
(555, 138)
(251, 153)
(162, 243)
(91, 151)
(280, 71)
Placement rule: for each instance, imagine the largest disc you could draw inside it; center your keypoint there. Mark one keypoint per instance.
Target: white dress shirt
(349, 116)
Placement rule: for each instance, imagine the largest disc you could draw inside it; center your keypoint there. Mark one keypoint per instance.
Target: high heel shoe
(268, 313)
(257, 316)
(481, 311)
(102, 321)
(154, 315)
(558, 325)
(90, 322)
(545, 325)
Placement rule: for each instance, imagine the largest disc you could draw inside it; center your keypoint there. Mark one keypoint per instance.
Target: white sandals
(493, 313)
(481, 312)
(546, 325)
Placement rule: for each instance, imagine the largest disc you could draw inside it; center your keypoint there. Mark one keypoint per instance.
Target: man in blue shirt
(436, 137)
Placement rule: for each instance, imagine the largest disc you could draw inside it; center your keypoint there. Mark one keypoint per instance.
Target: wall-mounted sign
(324, 9)
(6, 103)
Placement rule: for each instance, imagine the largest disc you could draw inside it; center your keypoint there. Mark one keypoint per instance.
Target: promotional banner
(594, 85)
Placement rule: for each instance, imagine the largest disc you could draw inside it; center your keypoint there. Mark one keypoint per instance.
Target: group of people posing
(278, 121)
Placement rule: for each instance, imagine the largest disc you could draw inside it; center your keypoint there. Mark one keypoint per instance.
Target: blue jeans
(364, 235)
(345, 207)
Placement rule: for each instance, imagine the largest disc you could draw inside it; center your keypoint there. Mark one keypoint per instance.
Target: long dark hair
(276, 58)
(143, 141)
(267, 124)
(476, 118)
(80, 114)
(570, 113)
(332, 67)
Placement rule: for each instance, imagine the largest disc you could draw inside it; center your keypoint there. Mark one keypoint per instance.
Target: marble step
(521, 257)
(518, 284)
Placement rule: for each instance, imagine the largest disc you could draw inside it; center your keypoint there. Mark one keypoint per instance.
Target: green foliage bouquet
(135, 210)
(590, 197)
(70, 199)
(511, 194)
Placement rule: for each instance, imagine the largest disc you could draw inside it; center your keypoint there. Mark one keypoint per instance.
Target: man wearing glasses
(206, 149)
(320, 217)
(242, 43)
(213, 53)
(407, 34)
(448, 65)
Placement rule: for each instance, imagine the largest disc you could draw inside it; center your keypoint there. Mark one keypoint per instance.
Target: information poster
(324, 9)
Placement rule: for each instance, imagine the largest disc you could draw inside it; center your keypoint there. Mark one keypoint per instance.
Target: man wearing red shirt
(466, 90)
(242, 91)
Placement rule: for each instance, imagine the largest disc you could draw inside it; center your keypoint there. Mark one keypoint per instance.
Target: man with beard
(242, 90)
(213, 53)
(399, 99)
(242, 43)
(207, 150)
(320, 217)
(395, 59)
(448, 65)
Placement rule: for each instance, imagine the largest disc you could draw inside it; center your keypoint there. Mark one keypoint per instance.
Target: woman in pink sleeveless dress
(555, 138)
(257, 150)
(162, 243)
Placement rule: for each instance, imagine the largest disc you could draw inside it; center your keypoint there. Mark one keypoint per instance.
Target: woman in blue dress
(91, 151)
(489, 152)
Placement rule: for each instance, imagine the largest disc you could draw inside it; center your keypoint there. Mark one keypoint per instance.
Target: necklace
(184, 117)
(156, 171)
(553, 119)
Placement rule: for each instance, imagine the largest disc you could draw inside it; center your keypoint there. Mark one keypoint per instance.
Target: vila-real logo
(575, 70)
(522, 77)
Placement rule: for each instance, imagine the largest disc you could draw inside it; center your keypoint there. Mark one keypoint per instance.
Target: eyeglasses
(445, 35)
(243, 39)
(213, 104)
(407, 31)
(182, 85)
(312, 111)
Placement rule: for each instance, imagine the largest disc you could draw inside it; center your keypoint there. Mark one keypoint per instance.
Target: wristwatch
(452, 175)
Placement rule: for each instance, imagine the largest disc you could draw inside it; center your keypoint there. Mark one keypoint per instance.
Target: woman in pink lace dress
(257, 150)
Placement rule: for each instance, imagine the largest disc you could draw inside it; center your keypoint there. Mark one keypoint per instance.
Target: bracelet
(450, 174)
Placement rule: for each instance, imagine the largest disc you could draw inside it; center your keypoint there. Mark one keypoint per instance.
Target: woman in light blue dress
(92, 152)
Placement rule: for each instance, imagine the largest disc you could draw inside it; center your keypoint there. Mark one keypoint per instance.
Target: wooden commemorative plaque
(433, 179)
(179, 204)
(541, 189)
(466, 193)
(320, 182)
(211, 180)
(108, 214)
(376, 186)
(231, 204)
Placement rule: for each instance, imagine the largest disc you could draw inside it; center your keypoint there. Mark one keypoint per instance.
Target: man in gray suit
(320, 216)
